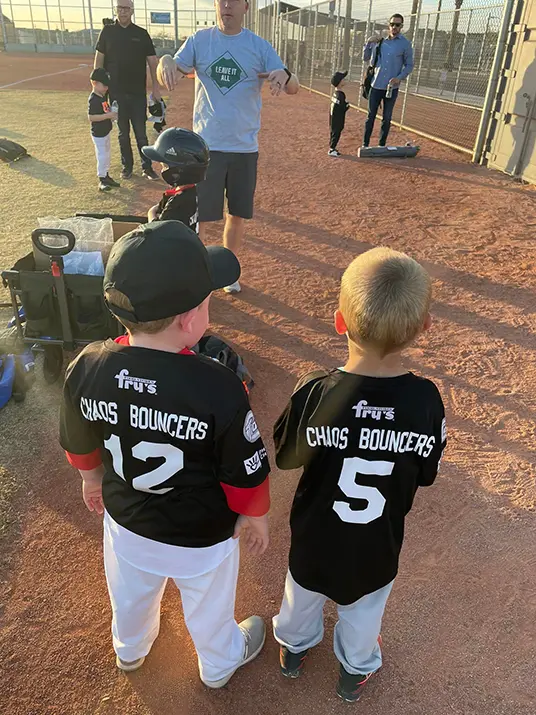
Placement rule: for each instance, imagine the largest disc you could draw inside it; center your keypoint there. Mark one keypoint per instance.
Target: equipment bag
(217, 349)
(367, 82)
(11, 151)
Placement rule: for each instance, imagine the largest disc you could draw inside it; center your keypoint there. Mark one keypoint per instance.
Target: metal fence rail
(453, 49)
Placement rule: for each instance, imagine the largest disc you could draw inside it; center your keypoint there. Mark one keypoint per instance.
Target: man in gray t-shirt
(230, 64)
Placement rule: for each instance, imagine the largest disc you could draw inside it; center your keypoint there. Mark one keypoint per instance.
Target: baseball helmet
(186, 154)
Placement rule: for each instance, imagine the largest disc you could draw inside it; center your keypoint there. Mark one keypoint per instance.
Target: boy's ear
(186, 320)
(427, 323)
(340, 323)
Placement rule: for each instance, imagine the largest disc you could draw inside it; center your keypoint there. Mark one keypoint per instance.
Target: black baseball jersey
(179, 205)
(99, 105)
(177, 437)
(365, 445)
(339, 105)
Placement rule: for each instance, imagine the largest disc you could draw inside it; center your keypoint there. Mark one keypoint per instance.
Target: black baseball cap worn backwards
(164, 269)
(99, 74)
(337, 78)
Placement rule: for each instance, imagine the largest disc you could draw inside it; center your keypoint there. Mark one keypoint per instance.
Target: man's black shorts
(229, 175)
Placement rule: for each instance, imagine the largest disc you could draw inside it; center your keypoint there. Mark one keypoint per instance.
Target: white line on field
(41, 76)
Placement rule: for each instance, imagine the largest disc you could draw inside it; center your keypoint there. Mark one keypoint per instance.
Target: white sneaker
(129, 666)
(233, 288)
(254, 632)
(334, 152)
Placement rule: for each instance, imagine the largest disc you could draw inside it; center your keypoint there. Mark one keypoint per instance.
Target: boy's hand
(112, 116)
(92, 489)
(253, 530)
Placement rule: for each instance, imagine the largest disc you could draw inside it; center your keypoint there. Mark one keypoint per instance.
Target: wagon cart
(54, 311)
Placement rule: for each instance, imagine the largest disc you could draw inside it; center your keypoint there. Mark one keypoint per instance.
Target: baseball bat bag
(217, 349)
(11, 151)
(387, 152)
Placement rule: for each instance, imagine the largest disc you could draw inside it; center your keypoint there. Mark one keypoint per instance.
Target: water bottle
(115, 106)
(389, 92)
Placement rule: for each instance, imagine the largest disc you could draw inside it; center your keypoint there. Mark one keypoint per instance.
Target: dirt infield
(460, 629)
(66, 72)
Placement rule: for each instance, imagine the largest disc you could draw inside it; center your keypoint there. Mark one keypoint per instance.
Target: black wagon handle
(53, 250)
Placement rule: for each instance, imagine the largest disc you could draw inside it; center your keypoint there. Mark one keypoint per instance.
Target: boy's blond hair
(385, 298)
(115, 297)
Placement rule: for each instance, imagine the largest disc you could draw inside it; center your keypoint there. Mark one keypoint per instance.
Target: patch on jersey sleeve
(444, 431)
(251, 431)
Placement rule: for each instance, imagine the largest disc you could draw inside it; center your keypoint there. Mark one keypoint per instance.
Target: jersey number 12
(173, 463)
(352, 467)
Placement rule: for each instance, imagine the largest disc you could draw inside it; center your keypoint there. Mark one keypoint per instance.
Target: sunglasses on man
(395, 24)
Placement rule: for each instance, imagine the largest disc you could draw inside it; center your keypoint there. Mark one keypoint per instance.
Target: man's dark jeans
(132, 110)
(376, 97)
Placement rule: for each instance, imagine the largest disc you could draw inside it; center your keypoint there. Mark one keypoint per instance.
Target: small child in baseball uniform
(184, 157)
(337, 115)
(366, 435)
(101, 116)
(168, 447)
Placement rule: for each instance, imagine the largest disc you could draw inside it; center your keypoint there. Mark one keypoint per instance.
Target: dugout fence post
(335, 38)
(90, 17)
(3, 24)
(279, 30)
(423, 47)
(408, 80)
(368, 32)
(285, 42)
(351, 49)
(297, 67)
(176, 20)
(313, 49)
(456, 86)
(484, 38)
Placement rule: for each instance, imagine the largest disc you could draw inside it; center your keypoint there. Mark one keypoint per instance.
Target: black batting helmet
(186, 154)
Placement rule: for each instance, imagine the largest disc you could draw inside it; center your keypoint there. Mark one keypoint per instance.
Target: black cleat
(291, 663)
(126, 174)
(350, 687)
(150, 174)
(103, 186)
(110, 182)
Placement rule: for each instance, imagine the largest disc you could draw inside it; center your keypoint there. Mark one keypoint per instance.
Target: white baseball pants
(208, 603)
(300, 625)
(103, 152)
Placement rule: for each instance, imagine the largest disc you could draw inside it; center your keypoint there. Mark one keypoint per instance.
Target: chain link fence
(67, 24)
(443, 97)
(453, 49)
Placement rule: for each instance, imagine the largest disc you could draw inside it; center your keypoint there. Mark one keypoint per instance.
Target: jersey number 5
(173, 463)
(351, 468)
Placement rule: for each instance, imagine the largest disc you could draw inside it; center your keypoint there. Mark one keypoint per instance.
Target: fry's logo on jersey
(362, 409)
(254, 463)
(140, 384)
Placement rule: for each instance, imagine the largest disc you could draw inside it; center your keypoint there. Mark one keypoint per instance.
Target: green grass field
(59, 179)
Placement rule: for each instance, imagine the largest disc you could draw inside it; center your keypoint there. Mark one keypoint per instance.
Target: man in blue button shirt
(394, 63)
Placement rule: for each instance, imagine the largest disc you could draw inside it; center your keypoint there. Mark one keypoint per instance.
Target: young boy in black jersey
(101, 116)
(337, 115)
(168, 448)
(367, 435)
(184, 157)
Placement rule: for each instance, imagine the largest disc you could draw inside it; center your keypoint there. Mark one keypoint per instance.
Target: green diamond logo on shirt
(226, 73)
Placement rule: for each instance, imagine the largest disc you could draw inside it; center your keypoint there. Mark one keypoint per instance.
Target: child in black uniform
(184, 156)
(101, 116)
(339, 107)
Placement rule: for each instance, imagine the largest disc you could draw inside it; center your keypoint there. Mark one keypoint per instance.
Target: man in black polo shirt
(124, 50)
